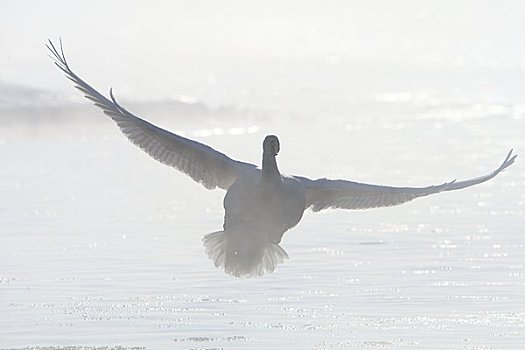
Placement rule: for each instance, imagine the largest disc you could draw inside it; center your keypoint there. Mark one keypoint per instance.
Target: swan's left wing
(201, 162)
(323, 193)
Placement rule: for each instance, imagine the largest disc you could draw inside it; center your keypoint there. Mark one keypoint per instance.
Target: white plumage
(260, 203)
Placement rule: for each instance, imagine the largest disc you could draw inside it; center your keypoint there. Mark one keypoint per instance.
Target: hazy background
(100, 245)
(198, 47)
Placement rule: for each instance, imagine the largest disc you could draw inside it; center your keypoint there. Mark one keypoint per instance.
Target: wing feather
(201, 162)
(324, 193)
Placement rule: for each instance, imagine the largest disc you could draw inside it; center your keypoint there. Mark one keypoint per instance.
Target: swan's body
(257, 214)
(260, 203)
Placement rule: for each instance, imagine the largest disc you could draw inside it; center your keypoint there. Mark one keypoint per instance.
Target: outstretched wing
(202, 163)
(323, 193)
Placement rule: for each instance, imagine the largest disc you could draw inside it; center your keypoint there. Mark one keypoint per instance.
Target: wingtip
(509, 154)
(58, 57)
(509, 159)
(514, 156)
(512, 159)
(51, 47)
(62, 50)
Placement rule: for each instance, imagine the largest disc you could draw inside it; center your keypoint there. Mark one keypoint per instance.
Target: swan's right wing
(324, 193)
(202, 163)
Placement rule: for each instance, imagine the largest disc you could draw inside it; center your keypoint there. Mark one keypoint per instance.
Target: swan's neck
(270, 172)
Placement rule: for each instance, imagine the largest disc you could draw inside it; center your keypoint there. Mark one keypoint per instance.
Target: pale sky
(161, 46)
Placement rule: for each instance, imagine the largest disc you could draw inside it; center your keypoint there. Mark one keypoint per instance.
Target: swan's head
(271, 145)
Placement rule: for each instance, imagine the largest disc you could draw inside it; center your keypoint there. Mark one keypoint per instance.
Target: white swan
(260, 203)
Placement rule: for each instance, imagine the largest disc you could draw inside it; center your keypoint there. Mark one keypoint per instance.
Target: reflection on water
(100, 245)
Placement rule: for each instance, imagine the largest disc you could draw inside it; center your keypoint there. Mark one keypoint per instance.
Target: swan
(260, 204)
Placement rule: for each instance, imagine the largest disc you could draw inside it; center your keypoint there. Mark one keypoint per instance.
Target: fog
(196, 48)
(100, 245)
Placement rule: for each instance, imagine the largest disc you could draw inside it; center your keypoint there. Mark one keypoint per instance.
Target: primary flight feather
(260, 203)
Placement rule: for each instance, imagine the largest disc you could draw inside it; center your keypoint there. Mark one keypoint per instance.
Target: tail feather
(243, 255)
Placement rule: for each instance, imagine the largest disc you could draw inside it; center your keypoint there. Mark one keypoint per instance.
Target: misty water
(100, 246)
